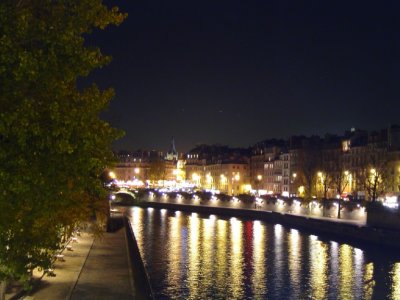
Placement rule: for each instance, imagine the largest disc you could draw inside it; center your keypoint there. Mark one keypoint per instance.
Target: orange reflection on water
(358, 272)
(346, 272)
(236, 256)
(193, 255)
(318, 264)
(137, 224)
(395, 288)
(278, 262)
(259, 286)
(294, 258)
(174, 252)
(221, 263)
(368, 281)
(207, 241)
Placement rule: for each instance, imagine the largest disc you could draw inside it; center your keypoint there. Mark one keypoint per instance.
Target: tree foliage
(340, 175)
(376, 173)
(53, 145)
(158, 169)
(309, 163)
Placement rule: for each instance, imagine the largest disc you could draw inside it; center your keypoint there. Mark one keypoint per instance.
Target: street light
(209, 180)
(195, 176)
(258, 181)
(292, 187)
(322, 183)
(223, 181)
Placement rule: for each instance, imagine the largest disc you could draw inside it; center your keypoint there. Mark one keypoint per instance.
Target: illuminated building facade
(219, 168)
(329, 167)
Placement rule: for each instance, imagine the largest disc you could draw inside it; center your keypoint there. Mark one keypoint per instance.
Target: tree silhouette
(53, 145)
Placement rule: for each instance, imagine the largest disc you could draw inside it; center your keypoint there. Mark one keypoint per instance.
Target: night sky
(237, 72)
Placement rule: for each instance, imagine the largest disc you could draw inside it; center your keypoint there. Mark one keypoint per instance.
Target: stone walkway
(106, 273)
(94, 269)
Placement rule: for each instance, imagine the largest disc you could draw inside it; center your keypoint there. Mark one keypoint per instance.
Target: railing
(349, 210)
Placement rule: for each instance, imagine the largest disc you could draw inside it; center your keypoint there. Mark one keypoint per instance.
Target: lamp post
(223, 181)
(111, 174)
(346, 181)
(259, 178)
(236, 178)
(209, 180)
(294, 176)
(196, 179)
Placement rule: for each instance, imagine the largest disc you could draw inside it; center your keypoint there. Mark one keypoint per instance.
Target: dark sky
(237, 72)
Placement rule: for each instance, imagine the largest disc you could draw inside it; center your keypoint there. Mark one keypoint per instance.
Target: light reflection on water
(318, 261)
(259, 286)
(195, 256)
(294, 258)
(235, 271)
(395, 288)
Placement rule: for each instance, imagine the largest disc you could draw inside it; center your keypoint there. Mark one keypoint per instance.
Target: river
(203, 256)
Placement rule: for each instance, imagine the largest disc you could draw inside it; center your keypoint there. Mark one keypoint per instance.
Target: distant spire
(173, 149)
(172, 154)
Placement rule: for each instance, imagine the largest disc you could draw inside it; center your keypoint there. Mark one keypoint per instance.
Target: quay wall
(328, 209)
(142, 284)
(383, 217)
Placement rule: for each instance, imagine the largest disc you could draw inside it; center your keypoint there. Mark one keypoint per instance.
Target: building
(217, 167)
(331, 166)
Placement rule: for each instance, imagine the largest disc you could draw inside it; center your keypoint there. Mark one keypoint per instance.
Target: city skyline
(237, 73)
(270, 140)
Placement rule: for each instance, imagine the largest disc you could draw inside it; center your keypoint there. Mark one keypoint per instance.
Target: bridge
(124, 193)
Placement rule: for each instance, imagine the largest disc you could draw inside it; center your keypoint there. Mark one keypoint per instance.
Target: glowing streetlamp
(209, 180)
(301, 190)
(196, 178)
(223, 178)
(223, 181)
(111, 174)
(136, 170)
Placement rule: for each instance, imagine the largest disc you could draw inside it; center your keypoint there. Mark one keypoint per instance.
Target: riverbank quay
(345, 230)
(94, 268)
(67, 268)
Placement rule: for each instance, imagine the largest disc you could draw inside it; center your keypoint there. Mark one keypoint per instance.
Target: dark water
(196, 256)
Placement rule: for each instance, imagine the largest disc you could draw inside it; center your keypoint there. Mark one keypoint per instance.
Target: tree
(340, 176)
(325, 180)
(158, 169)
(376, 173)
(309, 162)
(53, 145)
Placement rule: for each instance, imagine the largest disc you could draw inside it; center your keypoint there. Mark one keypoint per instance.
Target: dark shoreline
(141, 280)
